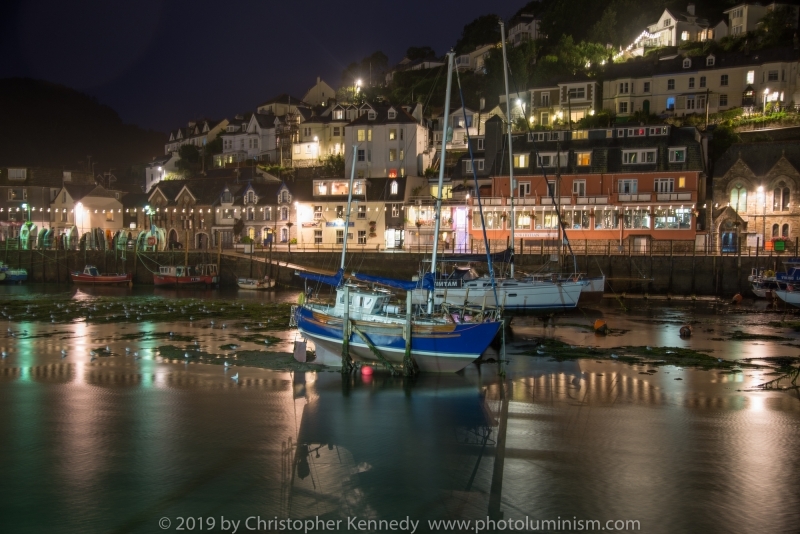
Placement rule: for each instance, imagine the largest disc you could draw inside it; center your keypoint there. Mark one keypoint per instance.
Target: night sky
(160, 63)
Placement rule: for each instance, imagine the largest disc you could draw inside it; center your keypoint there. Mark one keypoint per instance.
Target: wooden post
(347, 362)
(671, 264)
(58, 270)
(409, 366)
(219, 253)
(186, 250)
(694, 254)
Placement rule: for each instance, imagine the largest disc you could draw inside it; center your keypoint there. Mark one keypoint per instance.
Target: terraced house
(678, 85)
(617, 187)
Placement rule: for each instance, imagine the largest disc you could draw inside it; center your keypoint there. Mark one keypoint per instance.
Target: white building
(743, 18)
(86, 208)
(159, 169)
(524, 27)
(320, 136)
(391, 143)
(475, 60)
(671, 29)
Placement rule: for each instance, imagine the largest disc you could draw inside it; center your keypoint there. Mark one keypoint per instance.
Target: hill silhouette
(48, 125)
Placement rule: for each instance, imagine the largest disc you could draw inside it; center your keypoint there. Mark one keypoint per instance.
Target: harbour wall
(684, 274)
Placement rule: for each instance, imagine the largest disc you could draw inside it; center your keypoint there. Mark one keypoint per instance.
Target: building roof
(78, 191)
(645, 68)
(382, 116)
(759, 157)
(284, 98)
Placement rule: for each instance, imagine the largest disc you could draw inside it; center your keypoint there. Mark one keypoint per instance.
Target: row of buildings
(627, 186)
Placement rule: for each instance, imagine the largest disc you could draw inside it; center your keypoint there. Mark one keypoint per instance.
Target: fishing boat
(256, 283)
(9, 275)
(92, 275)
(363, 324)
(204, 274)
(764, 281)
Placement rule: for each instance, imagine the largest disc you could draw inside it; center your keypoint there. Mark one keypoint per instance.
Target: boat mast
(510, 154)
(442, 161)
(557, 192)
(349, 202)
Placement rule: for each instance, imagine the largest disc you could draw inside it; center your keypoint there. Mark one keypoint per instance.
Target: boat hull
(445, 348)
(258, 285)
(512, 295)
(183, 281)
(103, 279)
(789, 297)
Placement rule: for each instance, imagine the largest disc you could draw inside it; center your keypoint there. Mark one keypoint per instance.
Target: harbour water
(118, 444)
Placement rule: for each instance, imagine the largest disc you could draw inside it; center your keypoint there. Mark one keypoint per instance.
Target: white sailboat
(513, 292)
(363, 325)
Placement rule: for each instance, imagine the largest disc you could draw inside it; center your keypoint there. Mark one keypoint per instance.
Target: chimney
(318, 80)
(690, 9)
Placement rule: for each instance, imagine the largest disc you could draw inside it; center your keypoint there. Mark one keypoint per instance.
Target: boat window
(368, 303)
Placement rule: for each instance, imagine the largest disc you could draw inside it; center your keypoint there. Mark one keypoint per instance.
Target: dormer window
(392, 114)
(338, 114)
(371, 115)
(251, 197)
(710, 61)
(687, 63)
(284, 196)
(226, 197)
(393, 188)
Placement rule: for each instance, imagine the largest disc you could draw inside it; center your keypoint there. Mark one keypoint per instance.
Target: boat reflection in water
(430, 444)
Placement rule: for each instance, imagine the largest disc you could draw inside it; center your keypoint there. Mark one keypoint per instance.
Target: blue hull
(443, 348)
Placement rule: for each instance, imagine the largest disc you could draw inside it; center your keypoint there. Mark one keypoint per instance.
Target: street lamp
(25, 206)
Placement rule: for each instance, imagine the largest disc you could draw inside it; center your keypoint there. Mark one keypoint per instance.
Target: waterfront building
(320, 136)
(756, 197)
(80, 210)
(624, 186)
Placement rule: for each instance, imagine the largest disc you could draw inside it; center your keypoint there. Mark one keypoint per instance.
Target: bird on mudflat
(235, 377)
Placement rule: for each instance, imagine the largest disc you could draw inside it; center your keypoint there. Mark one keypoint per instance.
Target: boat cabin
(365, 301)
(91, 270)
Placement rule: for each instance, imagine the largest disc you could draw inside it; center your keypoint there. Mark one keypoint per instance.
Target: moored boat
(8, 275)
(256, 283)
(91, 275)
(204, 274)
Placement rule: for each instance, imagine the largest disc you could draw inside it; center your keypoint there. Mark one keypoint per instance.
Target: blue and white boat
(9, 275)
(363, 325)
(764, 282)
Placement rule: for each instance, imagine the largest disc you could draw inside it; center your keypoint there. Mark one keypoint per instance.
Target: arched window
(775, 230)
(284, 213)
(284, 196)
(394, 188)
(250, 197)
(780, 198)
(739, 198)
(785, 230)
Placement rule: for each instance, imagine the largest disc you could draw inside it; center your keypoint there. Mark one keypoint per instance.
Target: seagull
(212, 323)
(648, 348)
(227, 364)
(92, 353)
(171, 334)
(719, 359)
(92, 359)
(247, 328)
(187, 355)
(127, 349)
(223, 326)
(108, 349)
(614, 356)
(4, 354)
(235, 377)
(63, 353)
(136, 354)
(191, 318)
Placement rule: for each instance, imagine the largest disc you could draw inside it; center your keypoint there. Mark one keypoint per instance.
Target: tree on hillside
(189, 159)
(420, 52)
(371, 70)
(481, 31)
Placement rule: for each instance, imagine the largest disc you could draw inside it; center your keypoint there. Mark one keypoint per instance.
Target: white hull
(249, 283)
(511, 294)
(593, 289)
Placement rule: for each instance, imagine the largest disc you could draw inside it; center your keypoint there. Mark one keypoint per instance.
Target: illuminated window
(392, 134)
(520, 161)
(361, 135)
(751, 76)
(681, 182)
(393, 188)
(584, 158)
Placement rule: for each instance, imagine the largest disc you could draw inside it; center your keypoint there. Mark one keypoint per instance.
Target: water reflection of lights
(756, 403)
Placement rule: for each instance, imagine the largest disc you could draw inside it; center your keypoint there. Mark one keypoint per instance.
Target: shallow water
(116, 444)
